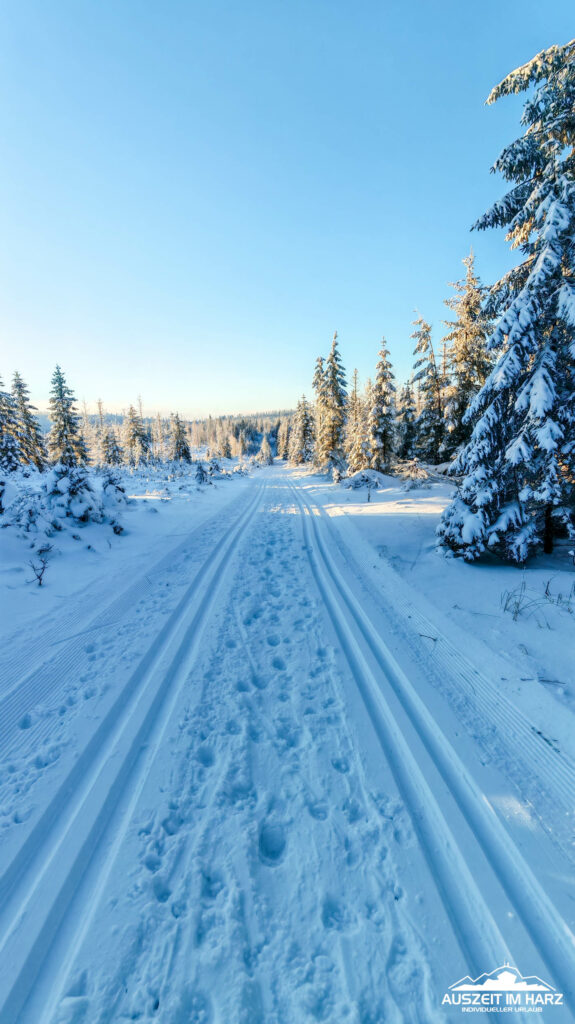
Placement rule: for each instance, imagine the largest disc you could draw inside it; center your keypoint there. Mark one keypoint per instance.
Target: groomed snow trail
(262, 821)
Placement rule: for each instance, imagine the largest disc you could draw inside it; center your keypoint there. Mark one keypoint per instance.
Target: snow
(269, 757)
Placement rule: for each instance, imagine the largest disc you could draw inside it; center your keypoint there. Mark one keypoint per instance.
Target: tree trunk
(548, 531)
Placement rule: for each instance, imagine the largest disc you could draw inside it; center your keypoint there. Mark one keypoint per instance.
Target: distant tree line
(77, 438)
(347, 430)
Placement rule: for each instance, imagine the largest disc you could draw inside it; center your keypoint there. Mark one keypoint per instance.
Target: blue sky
(194, 196)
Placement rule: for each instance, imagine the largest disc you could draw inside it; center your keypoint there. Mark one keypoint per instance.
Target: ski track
(228, 836)
(544, 924)
(38, 707)
(543, 774)
(76, 820)
(221, 851)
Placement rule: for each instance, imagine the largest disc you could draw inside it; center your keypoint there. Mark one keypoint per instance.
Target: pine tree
(201, 473)
(406, 428)
(112, 454)
(136, 442)
(518, 467)
(29, 432)
(283, 439)
(319, 387)
(357, 451)
(430, 424)
(226, 447)
(265, 453)
(89, 435)
(99, 429)
(242, 445)
(65, 443)
(159, 446)
(381, 416)
(301, 435)
(10, 453)
(179, 447)
(467, 356)
(332, 426)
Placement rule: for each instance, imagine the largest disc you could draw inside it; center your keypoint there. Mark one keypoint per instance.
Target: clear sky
(194, 196)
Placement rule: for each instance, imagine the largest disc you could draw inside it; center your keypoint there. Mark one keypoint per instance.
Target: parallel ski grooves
(553, 765)
(546, 928)
(41, 882)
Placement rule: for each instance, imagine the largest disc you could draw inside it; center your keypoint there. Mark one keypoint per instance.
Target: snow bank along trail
(264, 822)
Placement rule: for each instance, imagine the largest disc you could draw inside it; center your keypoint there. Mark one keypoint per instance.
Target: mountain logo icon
(502, 979)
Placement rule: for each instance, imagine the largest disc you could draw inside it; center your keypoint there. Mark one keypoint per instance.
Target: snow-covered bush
(413, 474)
(46, 502)
(366, 478)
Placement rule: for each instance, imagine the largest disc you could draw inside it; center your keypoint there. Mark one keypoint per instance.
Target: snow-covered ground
(269, 758)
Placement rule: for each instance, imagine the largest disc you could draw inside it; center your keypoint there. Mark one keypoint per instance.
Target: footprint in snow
(205, 755)
(335, 915)
(272, 842)
(318, 809)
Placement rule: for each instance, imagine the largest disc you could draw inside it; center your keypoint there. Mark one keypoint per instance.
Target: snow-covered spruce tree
(28, 430)
(518, 467)
(357, 452)
(301, 446)
(241, 444)
(179, 447)
(283, 439)
(381, 414)
(89, 432)
(160, 443)
(430, 425)
(9, 446)
(65, 442)
(225, 447)
(112, 454)
(10, 452)
(201, 474)
(332, 428)
(468, 360)
(264, 455)
(406, 423)
(319, 387)
(97, 453)
(136, 441)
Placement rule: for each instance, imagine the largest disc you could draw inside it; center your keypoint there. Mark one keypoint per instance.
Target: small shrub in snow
(201, 474)
(41, 564)
(413, 474)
